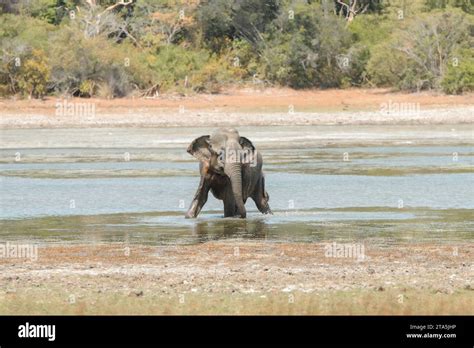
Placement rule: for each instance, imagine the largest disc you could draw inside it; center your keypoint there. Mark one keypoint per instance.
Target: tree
(155, 24)
(305, 47)
(421, 53)
(465, 5)
(34, 75)
(19, 35)
(351, 8)
(222, 21)
(459, 76)
(215, 23)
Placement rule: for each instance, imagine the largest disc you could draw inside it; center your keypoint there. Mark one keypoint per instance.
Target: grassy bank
(360, 302)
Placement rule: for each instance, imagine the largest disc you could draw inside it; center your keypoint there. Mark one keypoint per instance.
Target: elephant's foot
(263, 206)
(190, 215)
(236, 214)
(266, 210)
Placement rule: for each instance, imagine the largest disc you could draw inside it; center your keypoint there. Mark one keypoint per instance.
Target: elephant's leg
(230, 208)
(200, 198)
(261, 198)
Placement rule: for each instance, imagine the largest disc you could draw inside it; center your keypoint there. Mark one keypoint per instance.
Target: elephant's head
(224, 153)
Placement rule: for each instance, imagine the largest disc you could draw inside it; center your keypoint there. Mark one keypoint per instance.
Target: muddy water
(387, 184)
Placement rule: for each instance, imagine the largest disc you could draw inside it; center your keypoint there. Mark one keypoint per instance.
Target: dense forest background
(112, 48)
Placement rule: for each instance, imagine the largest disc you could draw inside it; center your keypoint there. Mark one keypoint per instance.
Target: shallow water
(386, 184)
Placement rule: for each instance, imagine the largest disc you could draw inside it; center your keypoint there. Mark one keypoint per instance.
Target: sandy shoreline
(243, 108)
(160, 279)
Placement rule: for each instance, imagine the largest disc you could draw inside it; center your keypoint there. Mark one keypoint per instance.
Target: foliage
(305, 48)
(174, 65)
(81, 66)
(23, 39)
(112, 49)
(244, 19)
(34, 74)
(459, 77)
(218, 72)
(372, 29)
(156, 23)
(417, 57)
(466, 5)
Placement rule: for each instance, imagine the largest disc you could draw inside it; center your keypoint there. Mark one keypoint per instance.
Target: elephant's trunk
(234, 172)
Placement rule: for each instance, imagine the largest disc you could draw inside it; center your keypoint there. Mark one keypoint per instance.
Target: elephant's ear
(199, 148)
(245, 143)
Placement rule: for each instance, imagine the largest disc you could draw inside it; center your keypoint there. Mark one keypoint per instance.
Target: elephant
(231, 168)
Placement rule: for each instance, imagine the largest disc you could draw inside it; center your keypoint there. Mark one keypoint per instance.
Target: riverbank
(243, 108)
(106, 207)
(239, 277)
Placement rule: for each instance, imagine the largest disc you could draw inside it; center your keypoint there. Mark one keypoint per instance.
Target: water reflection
(230, 228)
(370, 224)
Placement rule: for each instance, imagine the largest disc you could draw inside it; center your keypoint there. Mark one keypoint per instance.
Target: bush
(23, 43)
(174, 66)
(459, 77)
(151, 46)
(247, 58)
(222, 21)
(81, 65)
(217, 73)
(417, 57)
(304, 51)
(386, 66)
(34, 75)
(371, 30)
(355, 73)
